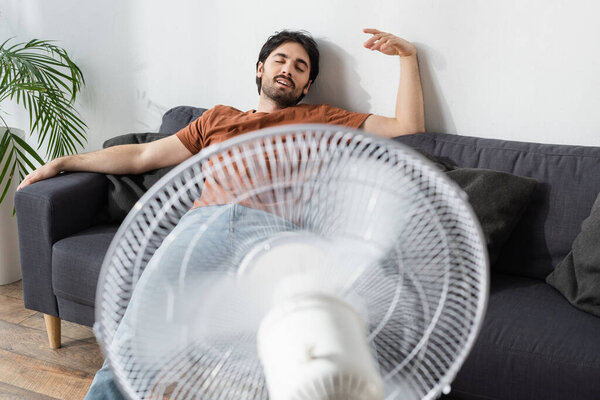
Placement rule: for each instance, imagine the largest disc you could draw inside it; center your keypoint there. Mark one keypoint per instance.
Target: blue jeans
(233, 230)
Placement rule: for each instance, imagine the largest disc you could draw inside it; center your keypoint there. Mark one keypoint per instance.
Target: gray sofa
(533, 344)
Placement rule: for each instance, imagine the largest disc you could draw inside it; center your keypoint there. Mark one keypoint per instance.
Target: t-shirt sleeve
(343, 117)
(191, 136)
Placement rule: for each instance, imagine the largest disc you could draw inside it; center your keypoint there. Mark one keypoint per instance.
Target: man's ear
(305, 90)
(259, 70)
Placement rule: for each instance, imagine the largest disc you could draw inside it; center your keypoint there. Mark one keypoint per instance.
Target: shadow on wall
(150, 110)
(338, 82)
(438, 116)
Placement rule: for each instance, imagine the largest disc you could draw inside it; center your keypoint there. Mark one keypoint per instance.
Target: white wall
(514, 69)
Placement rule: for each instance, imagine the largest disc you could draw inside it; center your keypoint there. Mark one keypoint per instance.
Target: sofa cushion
(134, 138)
(125, 190)
(577, 277)
(76, 262)
(498, 200)
(178, 118)
(532, 341)
(568, 185)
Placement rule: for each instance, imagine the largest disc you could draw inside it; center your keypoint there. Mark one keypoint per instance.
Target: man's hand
(389, 44)
(44, 172)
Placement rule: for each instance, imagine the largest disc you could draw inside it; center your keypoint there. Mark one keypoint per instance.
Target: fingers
(373, 40)
(370, 42)
(22, 184)
(377, 40)
(29, 179)
(377, 36)
(388, 43)
(381, 44)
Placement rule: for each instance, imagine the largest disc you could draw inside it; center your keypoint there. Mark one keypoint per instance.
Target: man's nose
(286, 70)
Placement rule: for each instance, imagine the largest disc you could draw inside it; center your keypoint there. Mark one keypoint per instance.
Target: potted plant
(42, 77)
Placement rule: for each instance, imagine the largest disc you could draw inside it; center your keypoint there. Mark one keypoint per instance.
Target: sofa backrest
(569, 181)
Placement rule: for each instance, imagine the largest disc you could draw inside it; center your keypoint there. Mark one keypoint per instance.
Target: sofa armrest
(48, 211)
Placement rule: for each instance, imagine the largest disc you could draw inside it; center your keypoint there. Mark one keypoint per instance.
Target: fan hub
(313, 343)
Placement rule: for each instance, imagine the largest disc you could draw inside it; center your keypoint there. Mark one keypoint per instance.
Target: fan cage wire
(159, 210)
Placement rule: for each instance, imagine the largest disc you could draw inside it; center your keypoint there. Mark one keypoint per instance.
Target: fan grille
(424, 301)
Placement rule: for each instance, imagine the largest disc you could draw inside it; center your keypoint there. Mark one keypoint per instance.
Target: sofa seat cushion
(76, 263)
(532, 341)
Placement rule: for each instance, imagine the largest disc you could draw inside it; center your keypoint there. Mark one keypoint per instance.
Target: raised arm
(125, 159)
(410, 114)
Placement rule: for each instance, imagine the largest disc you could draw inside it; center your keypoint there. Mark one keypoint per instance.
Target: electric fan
(321, 262)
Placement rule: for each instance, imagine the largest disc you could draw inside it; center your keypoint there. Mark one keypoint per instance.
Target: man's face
(285, 74)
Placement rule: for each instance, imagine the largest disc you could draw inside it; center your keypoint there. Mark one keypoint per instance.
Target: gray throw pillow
(577, 277)
(125, 190)
(498, 200)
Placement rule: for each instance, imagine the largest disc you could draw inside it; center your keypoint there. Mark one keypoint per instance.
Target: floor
(29, 368)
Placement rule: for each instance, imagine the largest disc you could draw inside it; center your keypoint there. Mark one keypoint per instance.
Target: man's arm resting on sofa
(117, 160)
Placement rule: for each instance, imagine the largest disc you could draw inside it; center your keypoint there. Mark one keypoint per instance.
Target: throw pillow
(577, 277)
(498, 200)
(125, 190)
(444, 165)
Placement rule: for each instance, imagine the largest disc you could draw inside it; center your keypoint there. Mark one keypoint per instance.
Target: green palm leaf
(42, 77)
(15, 155)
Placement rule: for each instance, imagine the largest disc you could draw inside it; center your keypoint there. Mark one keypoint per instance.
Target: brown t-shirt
(223, 122)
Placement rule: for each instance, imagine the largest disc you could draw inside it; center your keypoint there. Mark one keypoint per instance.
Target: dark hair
(301, 37)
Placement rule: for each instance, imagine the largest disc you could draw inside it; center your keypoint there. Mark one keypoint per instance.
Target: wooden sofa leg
(53, 329)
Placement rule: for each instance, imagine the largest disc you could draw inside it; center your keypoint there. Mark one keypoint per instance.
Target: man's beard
(282, 98)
